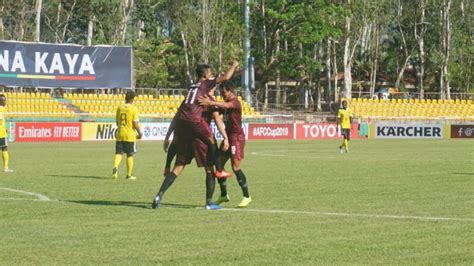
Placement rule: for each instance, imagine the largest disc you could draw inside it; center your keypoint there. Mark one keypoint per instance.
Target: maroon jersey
(191, 110)
(208, 110)
(233, 119)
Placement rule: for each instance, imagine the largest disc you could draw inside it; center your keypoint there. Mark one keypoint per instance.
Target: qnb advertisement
(48, 132)
(270, 131)
(322, 131)
(407, 131)
(108, 131)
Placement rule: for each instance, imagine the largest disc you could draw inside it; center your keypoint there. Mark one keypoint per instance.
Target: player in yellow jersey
(127, 133)
(344, 119)
(3, 134)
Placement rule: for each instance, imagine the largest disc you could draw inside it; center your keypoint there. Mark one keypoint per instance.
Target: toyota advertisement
(322, 131)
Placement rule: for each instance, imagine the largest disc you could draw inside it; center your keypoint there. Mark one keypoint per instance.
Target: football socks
(210, 186)
(117, 160)
(169, 179)
(5, 158)
(213, 153)
(129, 165)
(242, 182)
(223, 186)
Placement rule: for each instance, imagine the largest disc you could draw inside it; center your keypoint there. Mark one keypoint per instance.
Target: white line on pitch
(383, 216)
(39, 196)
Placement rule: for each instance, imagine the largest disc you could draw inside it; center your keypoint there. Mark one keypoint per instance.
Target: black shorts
(121, 147)
(3, 142)
(346, 132)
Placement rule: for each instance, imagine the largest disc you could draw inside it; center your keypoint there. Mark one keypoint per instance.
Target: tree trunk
(264, 29)
(2, 36)
(265, 103)
(58, 20)
(404, 46)
(375, 62)
(347, 60)
(63, 35)
(90, 29)
(141, 29)
(421, 49)
(447, 47)
(21, 30)
(278, 78)
(302, 87)
(186, 58)
(318, 51)
(219, 44)
(205, 28)
(402, 71)
(327, 91)
(336, 74)
(38, 6)
(126, 8)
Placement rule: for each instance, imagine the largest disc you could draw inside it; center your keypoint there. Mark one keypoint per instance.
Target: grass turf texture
(93, 219)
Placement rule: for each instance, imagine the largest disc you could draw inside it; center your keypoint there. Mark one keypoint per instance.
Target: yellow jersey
(125, 117)
(3, 128)
(345, 116)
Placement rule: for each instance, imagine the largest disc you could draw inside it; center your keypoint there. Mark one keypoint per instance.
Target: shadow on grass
(144, 205)
(82, 176)
(464, 173)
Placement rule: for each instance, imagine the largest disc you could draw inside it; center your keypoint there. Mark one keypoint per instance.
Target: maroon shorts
(184, 151)
(193, 129)
(236, 149)
(200, 153)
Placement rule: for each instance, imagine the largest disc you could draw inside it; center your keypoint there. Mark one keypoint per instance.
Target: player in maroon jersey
(190, 125)
(199, 149)
(232, 110)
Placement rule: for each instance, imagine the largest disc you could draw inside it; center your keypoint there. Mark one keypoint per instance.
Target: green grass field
(388, 201)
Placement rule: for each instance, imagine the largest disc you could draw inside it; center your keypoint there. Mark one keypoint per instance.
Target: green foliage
(213, 32)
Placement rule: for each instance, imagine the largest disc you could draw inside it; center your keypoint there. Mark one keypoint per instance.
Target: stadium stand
(412, 108)
(163, 106)
(35, 105)
(31, 105)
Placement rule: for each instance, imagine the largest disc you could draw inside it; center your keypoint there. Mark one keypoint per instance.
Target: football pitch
(388, 201)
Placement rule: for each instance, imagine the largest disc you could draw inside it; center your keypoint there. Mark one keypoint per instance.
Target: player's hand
(204, 100)
(166, 144)
(225, 145)
(139, 135)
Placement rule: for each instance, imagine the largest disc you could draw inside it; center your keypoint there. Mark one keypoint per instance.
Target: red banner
(270, 131)
(462, 131)
(37, 132)
(322, 131)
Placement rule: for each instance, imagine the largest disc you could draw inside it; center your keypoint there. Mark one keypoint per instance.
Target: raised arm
(227, 74)
(207, 101)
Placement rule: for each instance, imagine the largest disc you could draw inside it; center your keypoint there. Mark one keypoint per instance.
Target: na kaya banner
(65, 65)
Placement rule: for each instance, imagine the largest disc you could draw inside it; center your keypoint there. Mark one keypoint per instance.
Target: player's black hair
(228, 86)
(202, 69)
(129, 96)
(3, 96)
